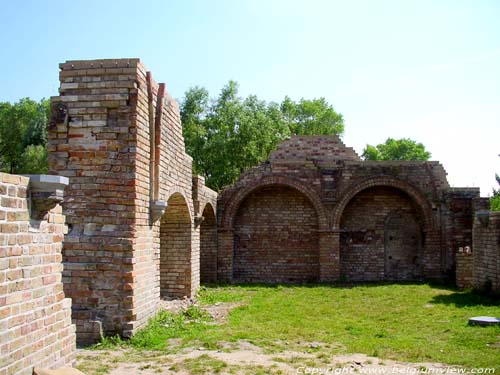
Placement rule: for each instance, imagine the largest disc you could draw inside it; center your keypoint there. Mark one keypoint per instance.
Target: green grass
(410, 322)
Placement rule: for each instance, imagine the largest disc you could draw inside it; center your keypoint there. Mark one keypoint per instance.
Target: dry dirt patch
(243, 358)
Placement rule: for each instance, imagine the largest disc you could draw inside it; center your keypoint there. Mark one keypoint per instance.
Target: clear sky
(427, 70)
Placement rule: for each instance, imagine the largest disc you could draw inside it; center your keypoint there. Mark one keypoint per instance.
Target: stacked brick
(380, 226)
(353, 211)
(205, 202)
(35, 320)
(464, 275)
(276, 238)
(116, 135)
(486, 240)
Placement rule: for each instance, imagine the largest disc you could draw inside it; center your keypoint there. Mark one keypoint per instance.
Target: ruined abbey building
(317, 212)
(141, 226)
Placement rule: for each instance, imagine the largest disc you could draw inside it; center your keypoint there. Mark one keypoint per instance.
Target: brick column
(225, 255)
(464, 268)
(329, 255)
(432, 255)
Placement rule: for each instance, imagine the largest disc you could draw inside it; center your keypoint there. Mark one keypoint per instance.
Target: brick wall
(35, 321)
(336, 183)
(486, 249)
(381, 237)
(276, 238)
(208, 245)
(464, 268)
(116, 134)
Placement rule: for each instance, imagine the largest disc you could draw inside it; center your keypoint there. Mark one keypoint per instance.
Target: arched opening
(381, 236)
(175, 249)
(208, 246)
(276, 237)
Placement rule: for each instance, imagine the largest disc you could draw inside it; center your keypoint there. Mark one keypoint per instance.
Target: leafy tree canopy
(229, 134)
(23, 136)
(396, 149)
(495, 199)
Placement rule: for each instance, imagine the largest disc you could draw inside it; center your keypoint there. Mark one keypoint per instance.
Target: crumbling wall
(486, 250)
(35, 316)
(116, 134)
(342, 189)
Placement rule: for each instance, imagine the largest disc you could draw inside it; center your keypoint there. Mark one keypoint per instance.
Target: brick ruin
(141, 227)
(135, 211)
(35, 316)
(341, 218)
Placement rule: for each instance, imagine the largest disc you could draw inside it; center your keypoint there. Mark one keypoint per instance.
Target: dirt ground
(245, 359)
(242, 357)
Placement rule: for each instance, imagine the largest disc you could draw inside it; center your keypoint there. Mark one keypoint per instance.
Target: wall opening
(276, 237)
(381, 236)
(208, 246)
(175, 249)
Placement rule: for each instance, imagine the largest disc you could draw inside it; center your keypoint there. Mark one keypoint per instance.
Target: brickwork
(486, 250)
(464, 268)
(360, 206)
(208, 245)
(35, 321)
(381, 237)
(276, 237)
(116, 134)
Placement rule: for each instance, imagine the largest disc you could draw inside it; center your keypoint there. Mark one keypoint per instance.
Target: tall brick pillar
(329, 255)
(225, 255)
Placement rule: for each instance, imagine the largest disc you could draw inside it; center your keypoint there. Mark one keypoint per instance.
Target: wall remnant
(35, 315)
(370, 220)
(486, 260)
(116, 134)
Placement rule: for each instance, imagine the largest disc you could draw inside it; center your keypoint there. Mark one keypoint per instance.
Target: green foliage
(396, 149)
(495, 199)
(23, 136)
(230, 134)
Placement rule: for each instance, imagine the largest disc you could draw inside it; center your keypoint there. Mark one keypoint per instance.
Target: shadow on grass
(457, 298)
(467, 299)
(335, 285)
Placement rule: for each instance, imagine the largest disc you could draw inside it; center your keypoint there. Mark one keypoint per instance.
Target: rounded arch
(176, 248)
(209, 206)
(231, 209)
(208, 244)
(416, 195)
(176, 193)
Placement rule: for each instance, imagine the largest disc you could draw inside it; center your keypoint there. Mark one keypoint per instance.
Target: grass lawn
(408, 322)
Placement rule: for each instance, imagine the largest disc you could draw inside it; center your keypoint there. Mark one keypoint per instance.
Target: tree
(23, 124)
(495, 199)
(311, 117)
(230, 134)
(396, 149)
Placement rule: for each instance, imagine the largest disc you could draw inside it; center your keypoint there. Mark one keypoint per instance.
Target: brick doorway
(276, 237)
(175, 249)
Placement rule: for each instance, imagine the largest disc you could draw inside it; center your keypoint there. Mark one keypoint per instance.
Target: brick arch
(235, 201)
(208, 244)
(176, 248)
(178, 190)
(208, 205)
(415, 194)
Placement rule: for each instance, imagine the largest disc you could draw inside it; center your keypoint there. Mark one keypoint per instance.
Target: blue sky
(427, 70)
